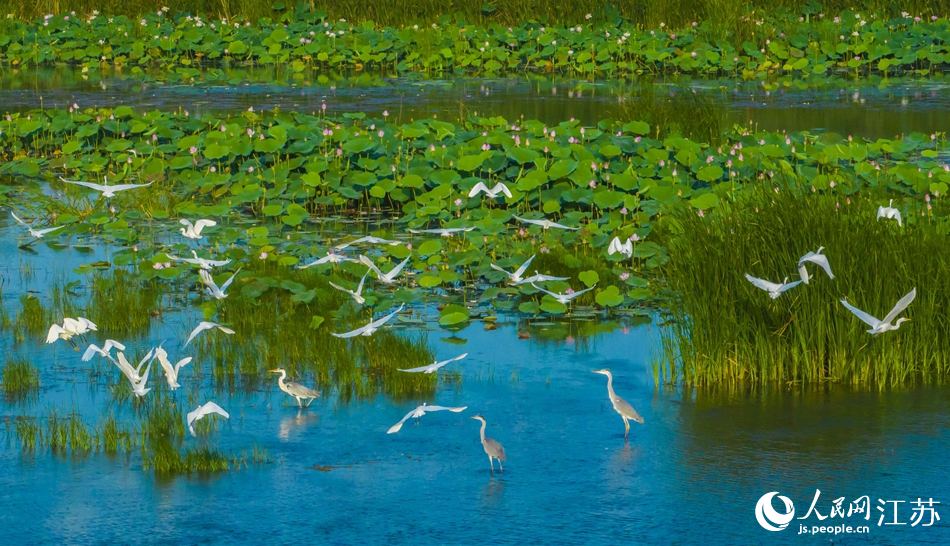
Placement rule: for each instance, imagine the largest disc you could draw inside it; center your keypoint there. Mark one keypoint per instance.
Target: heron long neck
(281, 381)
(610, 387)
(482, 431)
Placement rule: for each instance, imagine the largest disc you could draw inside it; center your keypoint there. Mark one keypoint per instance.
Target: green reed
(122, 304)
(725, 330)
(21, 380)
(33, 319)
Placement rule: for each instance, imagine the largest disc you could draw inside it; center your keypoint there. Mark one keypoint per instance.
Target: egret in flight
(171, 372)
(563, 298)
(387, 278)
(204, 325)
(516, 277)
(37, 233)
(492, 448)
(444, 232)
(624, 248)
(137, 381)
(331, 257)
(889, 212)
(545, 224)
(620, 405)
(368, 239)
(371, 327)
(105, 350)
(213, 289)
(538, 277)
(816, 258)
(70, 328)
(419, 412)
(431, 368)
(105, 189)
(884, 325)
(774, 289)
(296, 390)
(491, 193)
(193, 231)
(201, 411)
(201, 262)
(357, 294)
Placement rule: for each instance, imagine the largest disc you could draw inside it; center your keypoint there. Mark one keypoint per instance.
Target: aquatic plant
(723, 330)
(21, 380)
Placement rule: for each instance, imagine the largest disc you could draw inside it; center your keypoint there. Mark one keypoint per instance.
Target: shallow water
(872, 109)
(691, 474)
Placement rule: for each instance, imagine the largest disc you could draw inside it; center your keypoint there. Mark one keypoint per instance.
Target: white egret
(538, 277)
(884, 325)
(620, 405)
(213, 289)
(331, 257)
(296, 390)
(431, 368)
(889, 212)
(105, 350)
(368, 239)
(516, 277)
(37, 233)
(419, 412)
(492, 447)
(105, 189)
(491, 193)
(774, 289)
(816, 258)
(193, 231)
(371, 327)
(545, 224)
(70, 328)
(171, 371)
(624, 248)
(357, 294)
(204, 325)
(387, 278)
(201, 411)
(133, 374)
(566, 297)
(201, 262)
(444, 232)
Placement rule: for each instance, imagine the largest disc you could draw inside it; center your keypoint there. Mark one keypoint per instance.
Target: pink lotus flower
(263, 256)
(157, 265)
(624, 276)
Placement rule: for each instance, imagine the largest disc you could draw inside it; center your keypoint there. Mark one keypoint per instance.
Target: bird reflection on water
(300, 421)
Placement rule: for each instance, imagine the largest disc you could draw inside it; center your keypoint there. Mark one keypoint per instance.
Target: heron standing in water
(492, 448)
(620, 405)
(296, 390)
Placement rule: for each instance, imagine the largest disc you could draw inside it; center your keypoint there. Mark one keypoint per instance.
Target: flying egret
(201, 411)
(105, 189)
(889, 212)
(816, 258)
(371, 327)
(538, 277)
(563, 298)
(387, 278)
(419, 412)
(204, 325)
(331, 257)
(105, 350)
(620, 405)
(431, 368)
(296, 390)
(38, 233)
(368, 239)
(774, 289)
(624, 248)
(444, 232)
(171, 372)
(133, 374)
(193, 231)
(201, 262)
(884, 325)
(545, 224)
(213, 289)
(70, 328)
(491, 193)
(492, 448)
(516, 277)
(357, 294)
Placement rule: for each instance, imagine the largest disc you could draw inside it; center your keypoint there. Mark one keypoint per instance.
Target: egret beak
(273, 371)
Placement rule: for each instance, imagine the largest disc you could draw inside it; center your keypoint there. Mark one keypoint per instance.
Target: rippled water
(691, 474)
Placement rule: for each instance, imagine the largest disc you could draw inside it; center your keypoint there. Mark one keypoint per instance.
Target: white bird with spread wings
(774, 289)
(431, 368)
(491, 193)
(885, 324)
(105, 189)
(371, 327)
(419, 412)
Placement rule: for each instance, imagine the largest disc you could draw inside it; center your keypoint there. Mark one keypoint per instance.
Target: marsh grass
(21, 380)
(32, 320)
(120, 303)
(674, 112)
(725, 330)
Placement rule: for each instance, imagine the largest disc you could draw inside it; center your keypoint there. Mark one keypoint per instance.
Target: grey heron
(492, 448)
(620, 405)
(296, 390)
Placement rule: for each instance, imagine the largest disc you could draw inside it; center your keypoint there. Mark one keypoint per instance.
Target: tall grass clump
(21, 380)
(121, 303)
(724, 330)
(32, 320)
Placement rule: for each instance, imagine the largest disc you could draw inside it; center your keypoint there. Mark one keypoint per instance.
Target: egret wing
(866, 318)
(379, 322)
(416, 370)
(762, 283)
(54, 332)
(499, 187)
(17, 218)
(369, 263)
(520, 271)
(900, 306)
(818, 259)
(396, 270)
(480, 187)
(359, 331)
(228, 282)
(90, 185)
(395, 428)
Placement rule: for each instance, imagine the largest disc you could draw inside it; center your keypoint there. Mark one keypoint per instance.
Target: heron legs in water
(491, 463)
(626, 424)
